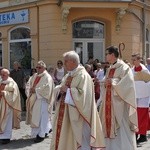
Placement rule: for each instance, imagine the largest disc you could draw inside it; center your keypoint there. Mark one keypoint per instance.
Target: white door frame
(85, 41)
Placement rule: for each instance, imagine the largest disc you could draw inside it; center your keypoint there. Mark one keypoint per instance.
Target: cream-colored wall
(130, 33)
(53, 42)
(49, 42)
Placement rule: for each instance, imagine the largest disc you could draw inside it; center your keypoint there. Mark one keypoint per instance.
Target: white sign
(14, 17)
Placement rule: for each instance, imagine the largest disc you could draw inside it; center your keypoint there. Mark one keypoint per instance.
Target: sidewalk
(21, 140)
(145, 145)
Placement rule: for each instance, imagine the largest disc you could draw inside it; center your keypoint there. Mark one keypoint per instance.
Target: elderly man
(38, 102)
(76, 124)
(118, 108)
(10, 108)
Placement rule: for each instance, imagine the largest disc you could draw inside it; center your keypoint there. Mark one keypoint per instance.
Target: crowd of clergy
(97, 106)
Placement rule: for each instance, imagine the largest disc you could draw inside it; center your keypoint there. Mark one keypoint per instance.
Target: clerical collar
(41, 74)
(114, 62)
(5, 81)
(73, 71)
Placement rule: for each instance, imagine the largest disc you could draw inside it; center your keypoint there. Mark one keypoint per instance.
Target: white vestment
(45, 123)
(123, 134)
(86, 128)
(38, 116)
(142, 90)
(8, 129)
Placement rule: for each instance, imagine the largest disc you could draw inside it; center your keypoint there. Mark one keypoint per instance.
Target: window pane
(21, 52)
(20, 33)
(95, 50)
(0, 36)
(0, 54)
(147, 50)
(88, 29)
(147, 35)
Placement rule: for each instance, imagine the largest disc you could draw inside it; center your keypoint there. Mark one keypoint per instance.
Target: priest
(39, 101)
(10, 107)
(118, 109)
(77, 125)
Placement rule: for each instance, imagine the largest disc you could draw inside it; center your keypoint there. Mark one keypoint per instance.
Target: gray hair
(42, 63)
(17, 63)
(5, 71)
(72, 55)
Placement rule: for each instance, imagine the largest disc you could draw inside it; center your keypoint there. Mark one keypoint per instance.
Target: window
(147, 43)
(0, 49)
(88, 29)
(88, 40)
(20, 47)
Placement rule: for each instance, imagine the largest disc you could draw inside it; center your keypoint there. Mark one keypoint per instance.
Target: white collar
(72, 71)
(6, 81)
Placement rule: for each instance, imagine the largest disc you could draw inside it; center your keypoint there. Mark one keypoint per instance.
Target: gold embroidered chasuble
(11, 99)
(121, 95)
(71, 122)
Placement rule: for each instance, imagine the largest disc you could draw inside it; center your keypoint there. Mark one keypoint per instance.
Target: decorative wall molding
(65, 13)
(119, 15)
(18, 2)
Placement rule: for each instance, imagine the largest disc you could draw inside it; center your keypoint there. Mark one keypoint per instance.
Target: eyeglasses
(38, 67)
(59, 63)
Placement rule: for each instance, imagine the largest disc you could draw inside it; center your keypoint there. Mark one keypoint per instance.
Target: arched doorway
(88, 40)
(20, 47)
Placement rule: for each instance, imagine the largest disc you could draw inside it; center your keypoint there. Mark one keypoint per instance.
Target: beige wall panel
(34, 32)
(49, 17)
(55, 45)
(53, 42)
(51, 24)
(55, 38)
(53, 31)
(129, 32)
(49, 9)
(33, 20)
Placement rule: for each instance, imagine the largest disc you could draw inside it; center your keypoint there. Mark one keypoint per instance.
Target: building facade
(32, 30)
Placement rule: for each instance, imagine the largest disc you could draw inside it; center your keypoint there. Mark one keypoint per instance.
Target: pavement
(21, 140)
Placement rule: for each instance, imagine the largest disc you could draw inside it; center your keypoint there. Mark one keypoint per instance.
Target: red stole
(36, 81)
(2, 86)
(108, 106)
(61, 112)
(137, 69)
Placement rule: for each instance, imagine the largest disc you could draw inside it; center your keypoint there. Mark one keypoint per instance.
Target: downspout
(38, 38)
(144, 31)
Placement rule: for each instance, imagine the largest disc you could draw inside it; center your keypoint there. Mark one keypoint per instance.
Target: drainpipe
(144, 31)
(38, 44)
